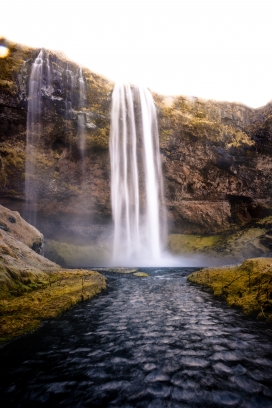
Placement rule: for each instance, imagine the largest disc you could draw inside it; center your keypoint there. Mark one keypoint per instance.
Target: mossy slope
(248, 286)
(69, 255)
(252, 240)
(32, 288)
(56, 292)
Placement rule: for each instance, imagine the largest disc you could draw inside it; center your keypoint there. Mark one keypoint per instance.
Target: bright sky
(217, 49)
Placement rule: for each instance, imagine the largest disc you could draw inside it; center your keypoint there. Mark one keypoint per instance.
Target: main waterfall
(136, 179)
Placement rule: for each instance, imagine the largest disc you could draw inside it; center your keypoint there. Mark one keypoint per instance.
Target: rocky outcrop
(15, 227)
(33, 288)
(21, 262)
(217, 168)
(216, 155)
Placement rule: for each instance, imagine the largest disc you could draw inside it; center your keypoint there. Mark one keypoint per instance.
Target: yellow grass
(61, 290)
(248, 286)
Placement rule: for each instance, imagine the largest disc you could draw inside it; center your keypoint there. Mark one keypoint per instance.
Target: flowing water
(81, 122)
(39, 84)
(144, 342)
(136, 178)
(69, 89)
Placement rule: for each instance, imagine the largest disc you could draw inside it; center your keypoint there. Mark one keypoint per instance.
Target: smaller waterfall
(136, 179)
(81, 125)
(68, 89)
(39, 84)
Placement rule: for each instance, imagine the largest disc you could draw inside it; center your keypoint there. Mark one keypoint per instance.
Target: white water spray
(136, 179)
(39, 83)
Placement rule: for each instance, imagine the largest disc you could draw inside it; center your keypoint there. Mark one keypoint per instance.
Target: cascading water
(81, 119)
(69, 85)
(39, 83)
(136, 179)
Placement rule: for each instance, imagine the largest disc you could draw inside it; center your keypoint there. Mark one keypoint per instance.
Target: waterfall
(81, 120)
(39, 84)
(136, 179)
(69, 85)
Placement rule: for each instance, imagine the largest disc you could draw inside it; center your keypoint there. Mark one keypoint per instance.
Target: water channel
(144, 342)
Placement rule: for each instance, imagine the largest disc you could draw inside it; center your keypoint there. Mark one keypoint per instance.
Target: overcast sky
(216, 49)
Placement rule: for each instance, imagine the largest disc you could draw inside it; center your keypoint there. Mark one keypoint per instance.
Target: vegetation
(185, 119)
(11, 65)
(248, 286)
(141, 274)
(12, 165)
(74, 255)
(24, 306)
(98, 138)
(229, 246)
(32, 288)
(183, 243)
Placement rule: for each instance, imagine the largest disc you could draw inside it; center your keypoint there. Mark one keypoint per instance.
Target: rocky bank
(32, 288)
(247, 286)
(217, 156)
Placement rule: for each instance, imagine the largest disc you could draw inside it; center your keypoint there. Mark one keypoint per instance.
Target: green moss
(230, 246)
(181, 243)
(12, 165)
(238, 138)
(122, 270)
(265, 222)
(74, 255)
(141, 274)
(44, 160)
(200, 114)
(23, 311)
(10, 66)
(99, 138)
(248, 286)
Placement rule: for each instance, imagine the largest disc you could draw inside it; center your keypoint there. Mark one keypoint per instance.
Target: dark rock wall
(217, 168)
(216, 156)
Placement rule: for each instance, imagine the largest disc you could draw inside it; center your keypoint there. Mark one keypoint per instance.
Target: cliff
(216, 155)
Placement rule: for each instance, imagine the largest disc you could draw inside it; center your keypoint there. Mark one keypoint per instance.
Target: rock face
(217, 163)
(216, 156)
(20, 251)
(17, 228)
(67, 203)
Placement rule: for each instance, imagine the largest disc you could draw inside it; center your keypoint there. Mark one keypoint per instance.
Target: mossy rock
(74, 255)
(123, 270)
(24, 309)
(181, 243)
(141, 274)
(247, 286)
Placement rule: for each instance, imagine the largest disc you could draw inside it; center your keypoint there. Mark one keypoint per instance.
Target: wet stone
(239, 369)
(259, 375)
(155, 376)
(244, 383)
(190, 396)
(194, 362)
(159, 390)
(227, 356)
(226, 399)
(149, 366)
(260, 402)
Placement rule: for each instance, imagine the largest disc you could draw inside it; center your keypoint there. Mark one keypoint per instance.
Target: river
(155, 342)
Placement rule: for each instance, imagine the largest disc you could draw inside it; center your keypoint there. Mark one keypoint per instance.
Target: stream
(155, 342)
